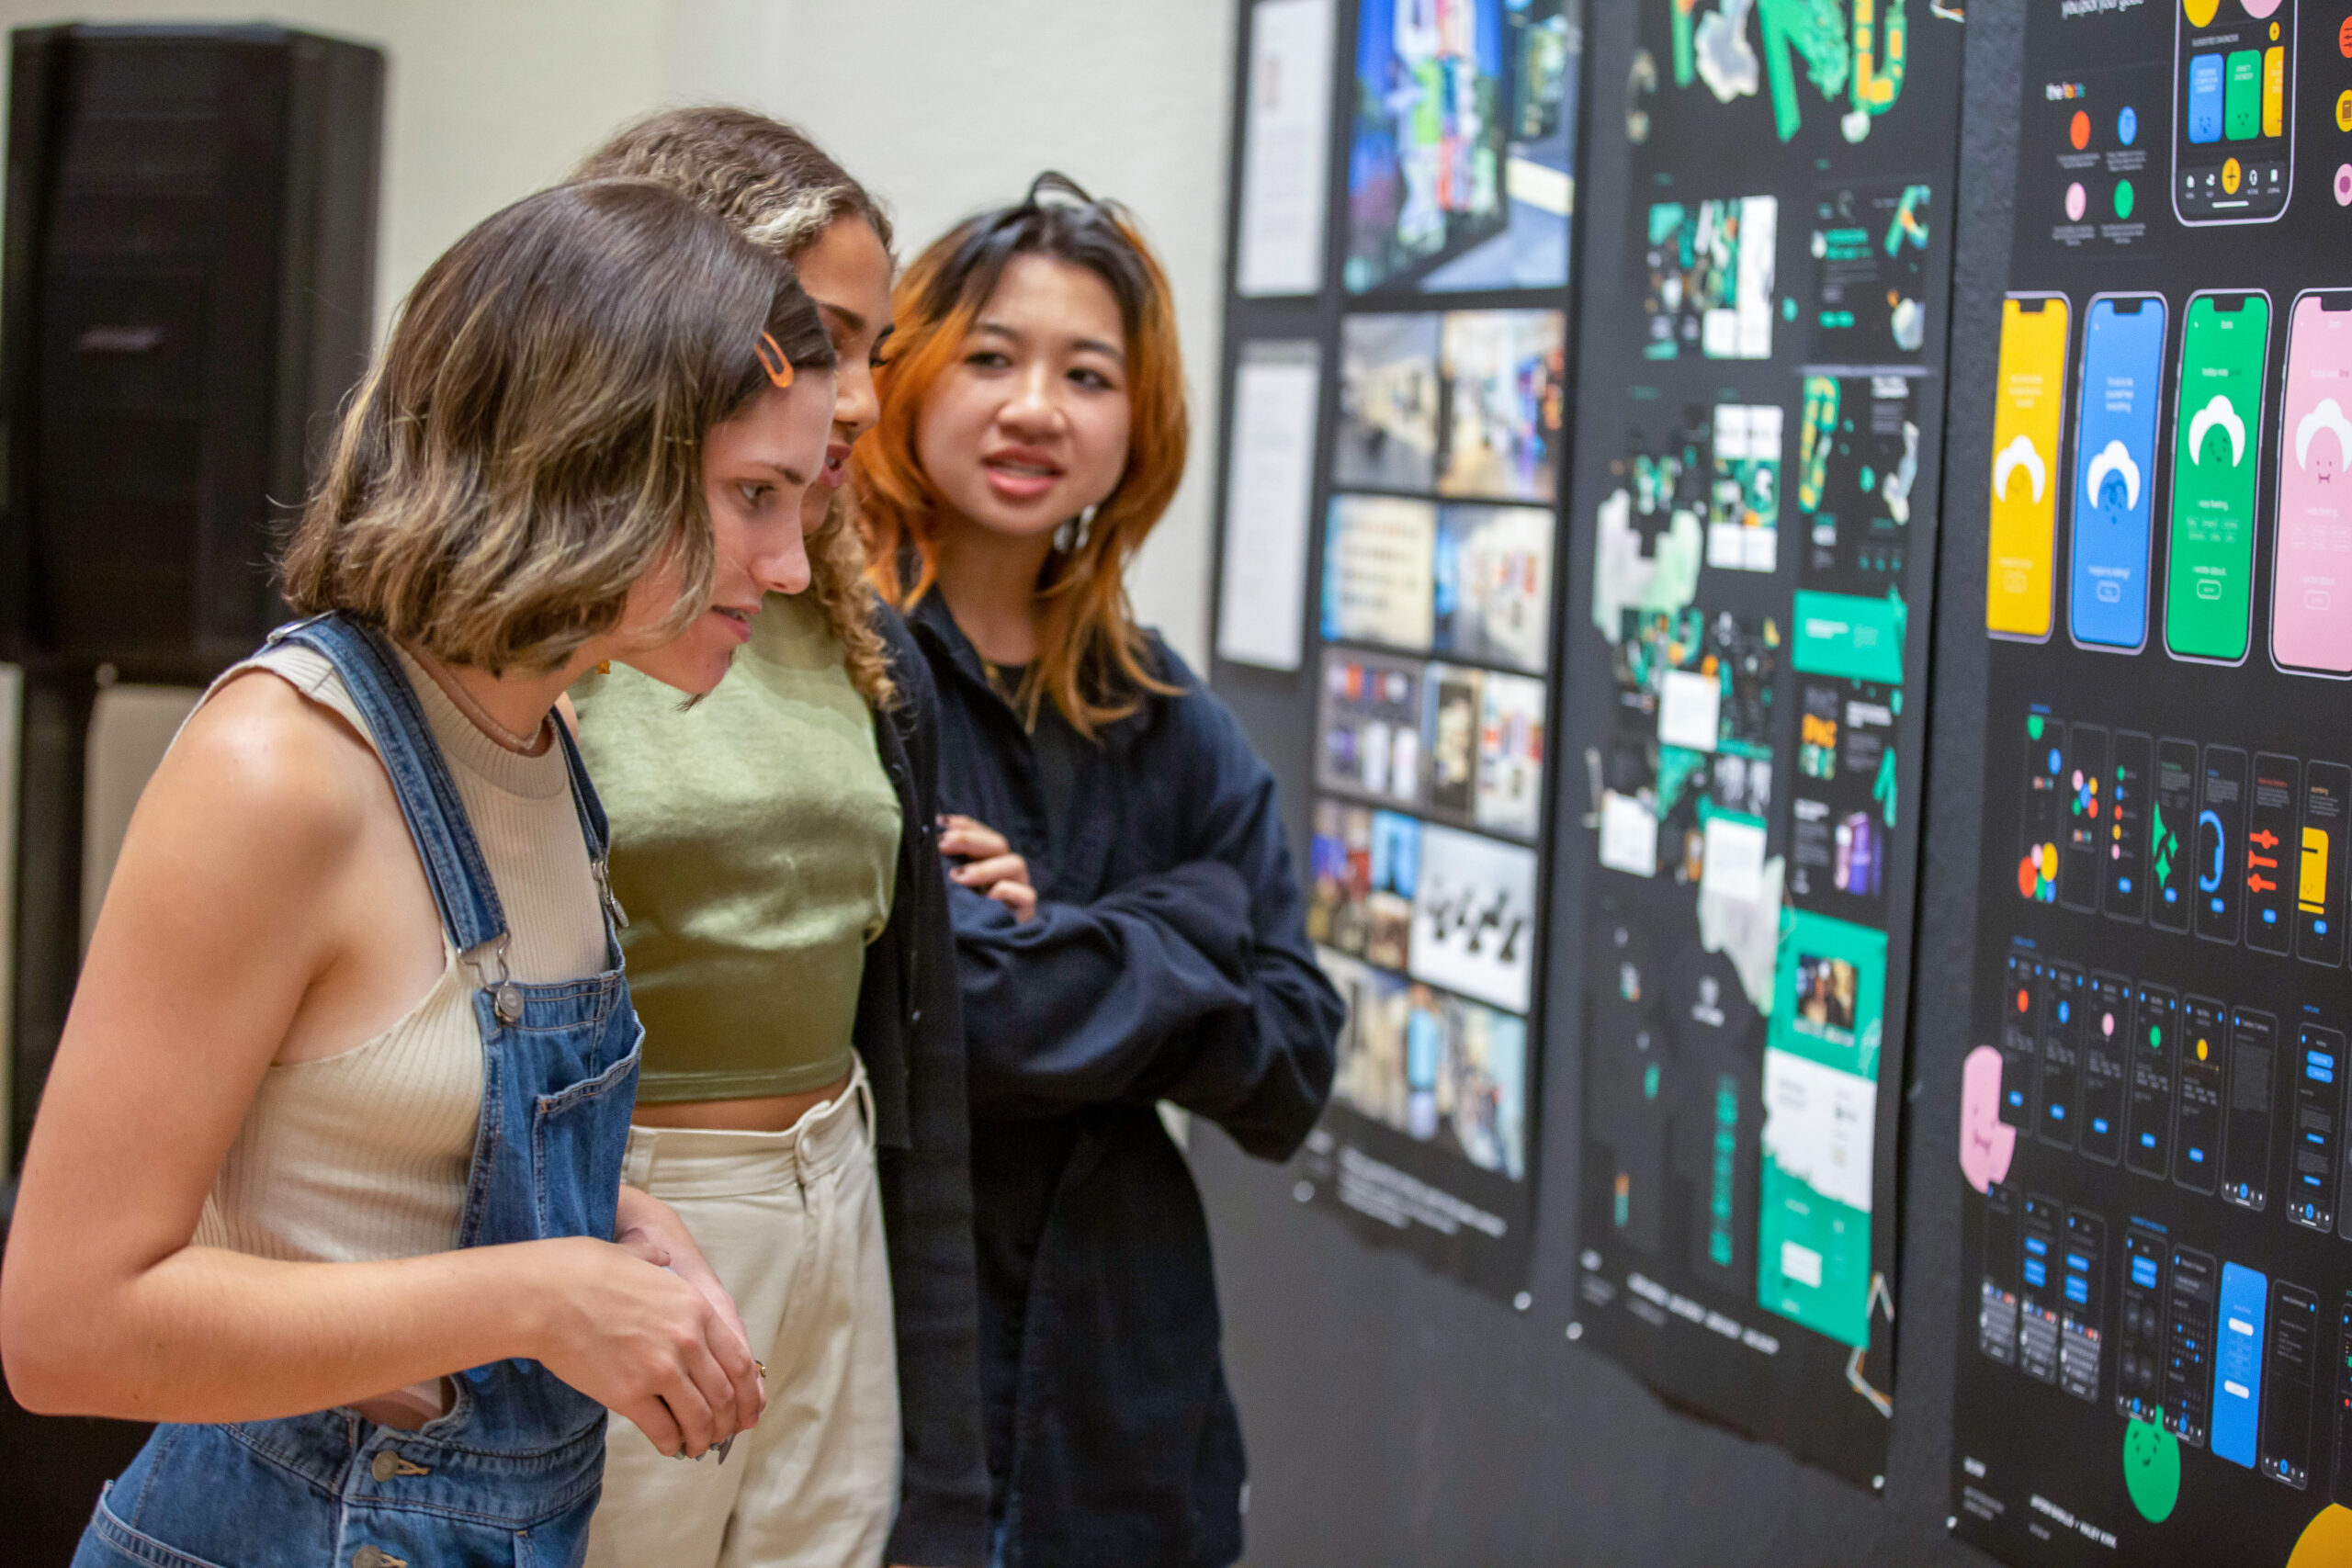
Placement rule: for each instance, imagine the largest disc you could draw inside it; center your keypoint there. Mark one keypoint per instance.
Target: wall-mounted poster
(1505, 380)
(1380, 571)
(1493, 580)
(1390, 399)
(1286, 138)
(2156, 1246)
(1755, 514)
(1461, 150)
(1431, 695)
(1270, 503)
(1369, 728)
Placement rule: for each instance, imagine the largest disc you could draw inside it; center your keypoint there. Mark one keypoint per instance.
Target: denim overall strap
(593, 826)
(599, 834)
(510, 1473)
(453, 866)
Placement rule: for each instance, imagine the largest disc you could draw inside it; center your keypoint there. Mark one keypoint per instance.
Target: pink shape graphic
(1985, 1141)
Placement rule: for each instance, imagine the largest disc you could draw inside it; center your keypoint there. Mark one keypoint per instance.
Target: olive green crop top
(755, 841)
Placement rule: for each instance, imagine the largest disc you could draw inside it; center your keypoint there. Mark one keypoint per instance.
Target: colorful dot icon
(2076, 201)
(2344, 185)
(2127, 125)
(2124, 199)
(2344, 37)
(2078, 130)
(2344, 111)
(2232, 176)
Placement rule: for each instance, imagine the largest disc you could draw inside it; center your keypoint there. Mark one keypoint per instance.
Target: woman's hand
(652, 1230)
(639, 1339)
(990, 865)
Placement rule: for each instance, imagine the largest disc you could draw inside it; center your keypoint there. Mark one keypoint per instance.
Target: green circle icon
(2151, 1468)
(2124, 199)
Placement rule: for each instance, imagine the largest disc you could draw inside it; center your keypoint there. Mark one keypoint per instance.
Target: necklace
(522, 745)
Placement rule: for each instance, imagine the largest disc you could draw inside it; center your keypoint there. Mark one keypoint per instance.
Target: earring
(1072, 536)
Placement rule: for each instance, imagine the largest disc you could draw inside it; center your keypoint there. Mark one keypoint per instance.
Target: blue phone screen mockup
(2115, 471)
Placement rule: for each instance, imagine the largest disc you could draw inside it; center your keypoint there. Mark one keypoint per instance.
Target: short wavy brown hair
(529, 443)
(782, 192)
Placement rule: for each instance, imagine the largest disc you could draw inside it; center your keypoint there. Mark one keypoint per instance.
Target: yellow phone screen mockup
(2026, 417)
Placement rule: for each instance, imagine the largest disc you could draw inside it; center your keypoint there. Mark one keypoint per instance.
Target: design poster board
(2156, 1265)
(1758, 462)
(1427, 685)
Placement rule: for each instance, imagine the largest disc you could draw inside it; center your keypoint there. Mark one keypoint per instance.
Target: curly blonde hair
(780, 191)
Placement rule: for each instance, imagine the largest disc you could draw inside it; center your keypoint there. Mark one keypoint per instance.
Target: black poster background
(1388, 1185)
(1674, 1042)
(2042, 1474)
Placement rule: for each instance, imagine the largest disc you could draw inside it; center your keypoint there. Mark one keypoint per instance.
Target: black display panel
(1424, 444)
(1754, 506)
(2169, 411)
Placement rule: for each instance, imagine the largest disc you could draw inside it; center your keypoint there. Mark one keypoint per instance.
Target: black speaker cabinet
(189, 278)
(186, 298)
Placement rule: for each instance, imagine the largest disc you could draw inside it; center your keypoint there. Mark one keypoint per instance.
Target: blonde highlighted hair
(780, 191)
(529, 444)
(1093, 663)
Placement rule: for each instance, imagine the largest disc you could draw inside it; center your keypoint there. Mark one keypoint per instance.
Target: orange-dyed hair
(1093, 662)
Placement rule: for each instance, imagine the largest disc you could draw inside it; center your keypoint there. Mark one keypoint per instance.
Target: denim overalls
(510, 1475)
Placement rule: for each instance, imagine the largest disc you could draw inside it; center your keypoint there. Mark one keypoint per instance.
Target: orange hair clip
(773, 361)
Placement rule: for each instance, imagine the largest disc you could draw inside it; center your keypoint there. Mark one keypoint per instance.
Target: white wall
(947, 107)
(943, 106)
(485, 100)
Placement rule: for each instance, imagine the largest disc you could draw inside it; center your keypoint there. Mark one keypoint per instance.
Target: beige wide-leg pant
(792, 1222)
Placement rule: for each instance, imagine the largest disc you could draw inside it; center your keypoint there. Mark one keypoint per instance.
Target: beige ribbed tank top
(365, 1155)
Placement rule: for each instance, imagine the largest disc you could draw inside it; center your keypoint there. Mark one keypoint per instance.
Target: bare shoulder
(268, 773)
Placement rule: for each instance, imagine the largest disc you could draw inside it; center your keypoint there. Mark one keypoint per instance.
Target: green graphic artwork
(1841, 634)
(2151, 1468)
(1858, 59)
(1812, 1259)
(2217, 418)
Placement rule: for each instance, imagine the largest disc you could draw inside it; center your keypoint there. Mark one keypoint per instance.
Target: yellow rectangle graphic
(2028, 406)
(2274, 91)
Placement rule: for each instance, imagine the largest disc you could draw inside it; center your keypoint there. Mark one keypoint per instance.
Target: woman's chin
(695, 671)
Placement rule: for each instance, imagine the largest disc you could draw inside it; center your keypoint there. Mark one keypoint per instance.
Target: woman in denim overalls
(586, 440)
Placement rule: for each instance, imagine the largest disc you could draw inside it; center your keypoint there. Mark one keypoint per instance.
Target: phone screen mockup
(2155, 1032)
(2114, 497)
(2311, 592)
(2217, 430)
(2027, 416)
(2233, 119)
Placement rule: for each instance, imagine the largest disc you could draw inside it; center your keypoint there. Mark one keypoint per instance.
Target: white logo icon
(2112, 459)
(2020, 453)
(2327, 417)
(2218, 412)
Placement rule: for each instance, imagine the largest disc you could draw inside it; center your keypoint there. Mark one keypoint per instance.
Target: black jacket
(909, 1031)
(1168, 959)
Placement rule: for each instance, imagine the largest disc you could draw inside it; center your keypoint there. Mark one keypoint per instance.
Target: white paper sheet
(1285, 149)
(1262, 602)
(1689, 709)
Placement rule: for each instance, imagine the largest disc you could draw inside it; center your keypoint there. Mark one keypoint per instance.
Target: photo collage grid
(1433, 710)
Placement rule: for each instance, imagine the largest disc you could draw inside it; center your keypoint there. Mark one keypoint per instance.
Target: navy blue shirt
(1168, 960)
